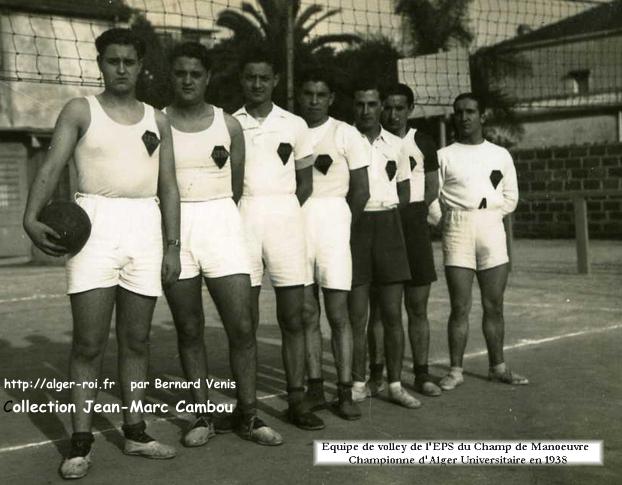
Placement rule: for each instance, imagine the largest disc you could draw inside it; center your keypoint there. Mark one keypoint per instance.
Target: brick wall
(591, 167)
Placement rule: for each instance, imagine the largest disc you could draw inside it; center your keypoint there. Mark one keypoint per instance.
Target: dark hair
(367, 85)
(481, 105)
(193, 50)
(400, 89)
(259, 56)
(121, 37)
(317, 75)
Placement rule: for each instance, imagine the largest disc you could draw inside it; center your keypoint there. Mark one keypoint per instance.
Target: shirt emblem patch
(495, 177)
(323, 163)
(151, 141)
(284, 151)
(391, 169)
(220, 155)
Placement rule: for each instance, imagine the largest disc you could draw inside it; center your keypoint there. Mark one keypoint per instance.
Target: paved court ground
(563, 330)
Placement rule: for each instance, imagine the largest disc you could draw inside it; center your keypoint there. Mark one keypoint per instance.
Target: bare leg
(289, 302)
(313, 335)
(254, 303)
(416, 299)
(492, 283)
(336, 302)
(358, 305)
(390, 299)
(134, 314)
(184, 299)
(92, 314)
(459, 284)
(416, 302)
(232, 294)
(375, 340)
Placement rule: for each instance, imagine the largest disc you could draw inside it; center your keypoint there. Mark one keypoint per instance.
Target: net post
(581, 235)
(442, 132)
(508, 222)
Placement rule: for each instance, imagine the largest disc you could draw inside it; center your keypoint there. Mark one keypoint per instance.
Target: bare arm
(403, 192)
(510, 188)
(358, 193)
(431, 187)
(304, 184)
(430, 165)
(237, 156)
(168, 193)
(73, 119)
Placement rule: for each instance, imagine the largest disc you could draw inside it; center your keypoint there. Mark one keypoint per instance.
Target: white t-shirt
(389, 165)
(338, 148)
(274, 149)
(421, 153)
(477, 177)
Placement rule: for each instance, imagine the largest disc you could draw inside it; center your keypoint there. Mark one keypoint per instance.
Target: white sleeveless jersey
(116, 160)
(203, 161)
(338, 148)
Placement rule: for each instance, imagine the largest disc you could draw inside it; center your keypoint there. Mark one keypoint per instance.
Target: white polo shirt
(477, 177)
(338, 148)
(421, 154)
(274, 149)
(389, 165)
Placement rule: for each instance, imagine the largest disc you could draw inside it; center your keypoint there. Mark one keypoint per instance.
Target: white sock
(395, 387)
(455, 372)
(358, 386)
(499, 368)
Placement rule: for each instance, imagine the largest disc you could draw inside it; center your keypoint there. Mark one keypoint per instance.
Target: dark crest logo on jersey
(284, 151)
(495, 177)
(482, 204)
(151, 141)
(413, 162)
(391, 168)
(220, 155)
(323, 163)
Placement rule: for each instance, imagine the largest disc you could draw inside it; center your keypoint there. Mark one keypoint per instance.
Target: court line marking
(32, 297)
(534, 342)
(521, 344)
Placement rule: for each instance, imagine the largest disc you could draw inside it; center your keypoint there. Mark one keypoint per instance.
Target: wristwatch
(173, 242)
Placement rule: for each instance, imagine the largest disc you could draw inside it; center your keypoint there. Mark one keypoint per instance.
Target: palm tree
(375, 58)
(435, 24)
(268, 26)
(488, 68)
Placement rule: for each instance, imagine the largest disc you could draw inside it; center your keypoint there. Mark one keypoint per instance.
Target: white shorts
(474, 239)
(125, 246)
(212, 240)
(327, 229)
(275, 236)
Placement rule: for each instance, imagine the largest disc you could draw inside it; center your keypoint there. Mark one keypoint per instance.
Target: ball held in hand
(70, 222)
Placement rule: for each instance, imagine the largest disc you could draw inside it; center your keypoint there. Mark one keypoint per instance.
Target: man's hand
(43, 237)
(171, 265)
(434, 213)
